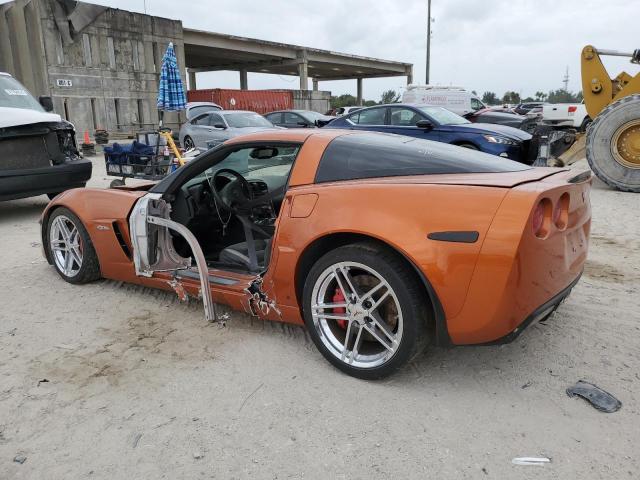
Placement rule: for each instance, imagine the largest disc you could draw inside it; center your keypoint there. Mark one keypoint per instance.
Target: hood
(14, 117)
(491, 129)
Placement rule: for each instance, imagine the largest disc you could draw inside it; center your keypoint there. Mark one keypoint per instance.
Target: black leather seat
(238, 254)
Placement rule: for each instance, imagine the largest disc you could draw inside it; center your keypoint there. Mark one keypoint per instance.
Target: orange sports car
(380, 244)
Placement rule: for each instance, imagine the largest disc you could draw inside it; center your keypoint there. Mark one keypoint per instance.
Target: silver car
(212, 128)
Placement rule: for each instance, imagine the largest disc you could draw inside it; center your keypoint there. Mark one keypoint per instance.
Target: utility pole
(565, 80)
(428, 40)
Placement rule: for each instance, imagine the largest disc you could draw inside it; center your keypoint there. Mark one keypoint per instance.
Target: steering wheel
(234, 195)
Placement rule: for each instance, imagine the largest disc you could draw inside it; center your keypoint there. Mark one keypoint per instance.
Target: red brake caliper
(338, 297)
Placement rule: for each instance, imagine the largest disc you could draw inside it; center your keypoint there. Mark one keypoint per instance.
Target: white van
(454, 99)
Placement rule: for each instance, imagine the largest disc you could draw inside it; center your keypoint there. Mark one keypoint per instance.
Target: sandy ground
(112, 381)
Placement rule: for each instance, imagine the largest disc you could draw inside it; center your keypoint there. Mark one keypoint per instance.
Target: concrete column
(409, 76)
(315, 84)
(6, 57)
(303, 74)
(244, 79)
(192, 79)
(359, 94)
(20, 47)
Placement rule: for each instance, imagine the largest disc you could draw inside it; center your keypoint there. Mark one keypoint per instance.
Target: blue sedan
(441, 125)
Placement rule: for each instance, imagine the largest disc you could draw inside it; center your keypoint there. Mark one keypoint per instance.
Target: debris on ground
(530, 460)
(44, 380)
(136, 440)
(198, 455)
(527, 385)
(600, 399)
(20, 459)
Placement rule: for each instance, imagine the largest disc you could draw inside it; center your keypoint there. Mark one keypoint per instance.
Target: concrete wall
(316, 100)
(112, 64)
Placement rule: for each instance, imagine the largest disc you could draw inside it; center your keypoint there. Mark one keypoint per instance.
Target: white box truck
(455, 99)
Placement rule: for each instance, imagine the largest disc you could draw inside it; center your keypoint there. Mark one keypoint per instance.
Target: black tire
(90, 268)
(117, 183)
(188, 143)
(470, 146)
(585, 124)
(405, 284)
(600, 136)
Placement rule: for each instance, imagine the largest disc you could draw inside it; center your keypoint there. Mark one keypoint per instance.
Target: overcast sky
(496, 45)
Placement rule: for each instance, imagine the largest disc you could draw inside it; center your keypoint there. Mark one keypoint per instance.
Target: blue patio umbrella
(171, 96)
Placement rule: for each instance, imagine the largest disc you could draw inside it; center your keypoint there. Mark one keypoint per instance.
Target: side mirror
(46, 103)
(424, 124)
(221, 126)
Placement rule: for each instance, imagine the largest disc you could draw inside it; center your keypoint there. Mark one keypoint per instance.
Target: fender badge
(102, 227)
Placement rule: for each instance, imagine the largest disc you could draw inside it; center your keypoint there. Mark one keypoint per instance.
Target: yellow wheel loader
(613, 139)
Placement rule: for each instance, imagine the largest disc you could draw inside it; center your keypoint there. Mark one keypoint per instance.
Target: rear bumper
(539, 314)
(37, 181)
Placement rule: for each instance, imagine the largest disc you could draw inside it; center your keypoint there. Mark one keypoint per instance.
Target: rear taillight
(561, 212)
(572, 108)
(541, 220)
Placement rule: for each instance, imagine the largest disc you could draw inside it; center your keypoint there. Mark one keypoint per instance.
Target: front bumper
(22, 183)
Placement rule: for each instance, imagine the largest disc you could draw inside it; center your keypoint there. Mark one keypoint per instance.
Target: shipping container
(260, 101)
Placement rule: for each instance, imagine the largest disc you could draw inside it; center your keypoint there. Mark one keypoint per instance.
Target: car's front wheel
(188, 143)
(70, 248)
(364, 310)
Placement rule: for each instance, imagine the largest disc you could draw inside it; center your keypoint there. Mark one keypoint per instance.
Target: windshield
(443, 116)
(249, 119)
(14, 95)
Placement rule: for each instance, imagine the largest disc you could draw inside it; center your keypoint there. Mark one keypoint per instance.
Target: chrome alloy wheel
(356, 314)
(66, 245)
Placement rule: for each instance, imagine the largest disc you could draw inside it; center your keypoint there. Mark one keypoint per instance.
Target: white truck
(455, 99)
(569, 115)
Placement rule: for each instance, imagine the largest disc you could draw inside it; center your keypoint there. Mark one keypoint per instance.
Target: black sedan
(298, 118)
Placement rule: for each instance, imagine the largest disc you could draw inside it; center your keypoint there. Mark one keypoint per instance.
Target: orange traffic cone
(86, 137)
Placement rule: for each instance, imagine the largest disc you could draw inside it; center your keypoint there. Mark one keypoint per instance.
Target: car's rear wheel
(70, 248)
(364, 310)
(188, 143)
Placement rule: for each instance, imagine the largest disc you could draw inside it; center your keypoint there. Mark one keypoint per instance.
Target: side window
(476, 104)
(373, 116)
(274, 118)
(292, 119)
(215, 119)
(201, 120)
(404, 117)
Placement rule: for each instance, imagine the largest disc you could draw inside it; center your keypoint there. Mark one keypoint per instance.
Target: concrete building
(101, 65)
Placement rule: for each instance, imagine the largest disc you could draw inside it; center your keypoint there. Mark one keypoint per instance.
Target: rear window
(371, 155)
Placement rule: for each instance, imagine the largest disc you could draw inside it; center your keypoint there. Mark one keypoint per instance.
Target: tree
(511, 97)
(541, 96)
(563, 96)
(344, 100)
(490, 98)
(389, 96)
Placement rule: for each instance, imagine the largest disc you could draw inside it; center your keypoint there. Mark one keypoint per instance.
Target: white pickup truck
(571, 115)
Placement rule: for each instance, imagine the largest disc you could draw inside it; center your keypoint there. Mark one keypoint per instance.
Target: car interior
(232, 207)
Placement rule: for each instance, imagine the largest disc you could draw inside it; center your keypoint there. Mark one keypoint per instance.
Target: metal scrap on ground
(601, 400)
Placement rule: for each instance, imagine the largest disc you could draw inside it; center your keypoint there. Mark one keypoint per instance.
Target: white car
(212, 128)
(196, 108)
(455, 99)
(572, 115)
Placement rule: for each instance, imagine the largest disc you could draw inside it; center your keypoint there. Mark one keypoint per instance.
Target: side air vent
(120, 237)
